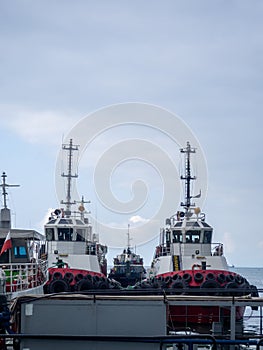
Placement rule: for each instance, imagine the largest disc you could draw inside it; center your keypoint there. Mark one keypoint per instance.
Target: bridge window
(65, 234)
(207, 236)
(20, 252)
(177, 237)
(192, 236)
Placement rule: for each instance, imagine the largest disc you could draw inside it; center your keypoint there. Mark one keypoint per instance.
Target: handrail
(20, 276)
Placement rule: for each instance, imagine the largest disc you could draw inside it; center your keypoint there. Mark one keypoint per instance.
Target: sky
(65, 64)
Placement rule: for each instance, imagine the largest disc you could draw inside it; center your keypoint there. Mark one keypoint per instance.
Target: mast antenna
(4, 186)
(187, 176)
(69, 147)
(129, 238)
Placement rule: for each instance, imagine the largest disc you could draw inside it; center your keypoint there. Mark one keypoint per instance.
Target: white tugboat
(76, 259)
(22, 271)
(187, 262)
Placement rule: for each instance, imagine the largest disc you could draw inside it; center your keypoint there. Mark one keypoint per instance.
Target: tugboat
(128, 267)
(76, 259)
(22, 271)
(187, 262)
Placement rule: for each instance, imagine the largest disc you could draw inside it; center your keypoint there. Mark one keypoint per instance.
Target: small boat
(186, 262)
(128, 267)
(22, 271)
(76, 259)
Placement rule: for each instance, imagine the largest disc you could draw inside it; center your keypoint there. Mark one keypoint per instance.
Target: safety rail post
(260, 320)
(259, 344)
(233, 320)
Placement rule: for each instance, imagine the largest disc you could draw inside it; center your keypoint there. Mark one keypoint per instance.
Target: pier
(124, 321)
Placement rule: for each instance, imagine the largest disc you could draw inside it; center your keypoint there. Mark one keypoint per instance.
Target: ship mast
(5, 219)
(69, 147)
(187, 176)
(129, 238)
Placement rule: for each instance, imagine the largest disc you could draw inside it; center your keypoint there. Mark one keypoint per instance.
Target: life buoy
(58, 286)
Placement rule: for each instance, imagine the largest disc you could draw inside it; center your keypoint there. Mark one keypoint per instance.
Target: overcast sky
(199, 59)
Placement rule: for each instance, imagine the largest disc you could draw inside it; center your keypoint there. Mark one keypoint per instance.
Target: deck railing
(17, 277)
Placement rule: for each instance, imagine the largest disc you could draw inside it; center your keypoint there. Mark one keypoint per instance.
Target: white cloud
(36, 126)
(137, 219)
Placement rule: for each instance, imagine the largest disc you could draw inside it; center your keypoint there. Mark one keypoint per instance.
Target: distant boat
(22, 270)
(128, 268)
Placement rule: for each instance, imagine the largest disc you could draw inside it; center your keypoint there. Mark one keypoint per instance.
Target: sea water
(254, 275)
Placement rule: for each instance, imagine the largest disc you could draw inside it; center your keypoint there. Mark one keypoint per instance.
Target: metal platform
(99, 321)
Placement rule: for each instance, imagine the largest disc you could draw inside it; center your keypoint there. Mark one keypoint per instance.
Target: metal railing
(22, 276)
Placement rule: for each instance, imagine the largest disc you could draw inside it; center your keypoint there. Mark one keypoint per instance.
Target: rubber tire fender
(58, 286)
(198, 277)
(187, 277)
(210, 284)
(83, 285)
(233, 285)
(69, 277)
(179, 286)
(57, 275)
(221, 278)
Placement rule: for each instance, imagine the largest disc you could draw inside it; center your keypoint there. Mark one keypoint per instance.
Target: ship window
(65, 234)
(91, 249)
(177, 236)
(50, 234)
(205, 224)
(65, 222)
(178, 224)
(80, 235)
(168, 237)
(207, 236)
(52, 221)
(192, 236)
(20, 252)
